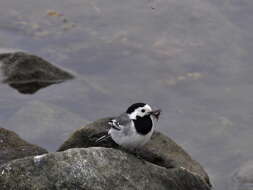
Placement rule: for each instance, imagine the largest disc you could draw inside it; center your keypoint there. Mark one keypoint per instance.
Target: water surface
(190, 58)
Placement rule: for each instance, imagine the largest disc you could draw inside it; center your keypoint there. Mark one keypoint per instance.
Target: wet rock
(94, 168)
(13, 147)
(161, 150)
(28, 73)
(243, 177)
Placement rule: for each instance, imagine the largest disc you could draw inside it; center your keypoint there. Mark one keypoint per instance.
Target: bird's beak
(156, 113)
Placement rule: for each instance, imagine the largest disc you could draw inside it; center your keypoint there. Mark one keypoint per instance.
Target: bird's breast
(143, 125)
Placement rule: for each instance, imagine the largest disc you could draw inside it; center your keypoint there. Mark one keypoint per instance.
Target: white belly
(130, 139)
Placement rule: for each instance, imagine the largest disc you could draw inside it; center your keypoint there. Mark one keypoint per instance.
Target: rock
(95, 168)
(28, 73)
(243, 177)
(43, 121)
(13, 147)
(161, 150)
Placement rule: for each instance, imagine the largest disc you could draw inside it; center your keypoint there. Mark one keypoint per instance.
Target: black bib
(143, 125)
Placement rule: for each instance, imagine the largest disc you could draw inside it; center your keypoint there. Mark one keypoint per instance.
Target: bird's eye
(142, 110)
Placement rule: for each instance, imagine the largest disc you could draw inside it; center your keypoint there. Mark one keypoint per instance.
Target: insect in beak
(156, 113)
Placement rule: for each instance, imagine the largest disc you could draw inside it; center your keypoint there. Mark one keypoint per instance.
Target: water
(190, 58)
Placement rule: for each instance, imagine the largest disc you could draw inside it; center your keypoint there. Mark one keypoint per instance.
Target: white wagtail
(133, 128)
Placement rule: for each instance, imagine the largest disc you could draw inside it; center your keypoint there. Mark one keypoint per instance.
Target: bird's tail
(103, 138)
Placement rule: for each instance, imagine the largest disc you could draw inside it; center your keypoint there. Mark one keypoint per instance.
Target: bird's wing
(120, 122)
(117, 123)
(114, 124)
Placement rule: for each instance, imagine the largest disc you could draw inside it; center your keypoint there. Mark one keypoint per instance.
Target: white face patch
(141, 111)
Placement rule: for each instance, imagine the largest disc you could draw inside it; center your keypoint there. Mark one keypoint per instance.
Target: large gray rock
(161, 150)
(28, 73)
(13, 147)
(94, 168)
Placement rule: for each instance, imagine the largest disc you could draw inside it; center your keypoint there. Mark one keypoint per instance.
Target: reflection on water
(190, 58)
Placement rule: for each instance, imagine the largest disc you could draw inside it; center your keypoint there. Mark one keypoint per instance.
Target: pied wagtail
(133, 128)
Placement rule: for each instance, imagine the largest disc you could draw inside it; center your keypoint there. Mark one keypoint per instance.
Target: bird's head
(142, 110)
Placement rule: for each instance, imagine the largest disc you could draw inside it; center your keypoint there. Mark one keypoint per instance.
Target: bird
(133, 128)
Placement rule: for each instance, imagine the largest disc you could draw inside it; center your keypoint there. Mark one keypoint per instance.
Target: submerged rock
(243, 177)
(44, 120)
(94, 168)
(13, 147)
(28, 73)
(160, 150)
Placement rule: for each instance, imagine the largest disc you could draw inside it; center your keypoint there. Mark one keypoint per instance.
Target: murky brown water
(191, 58)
